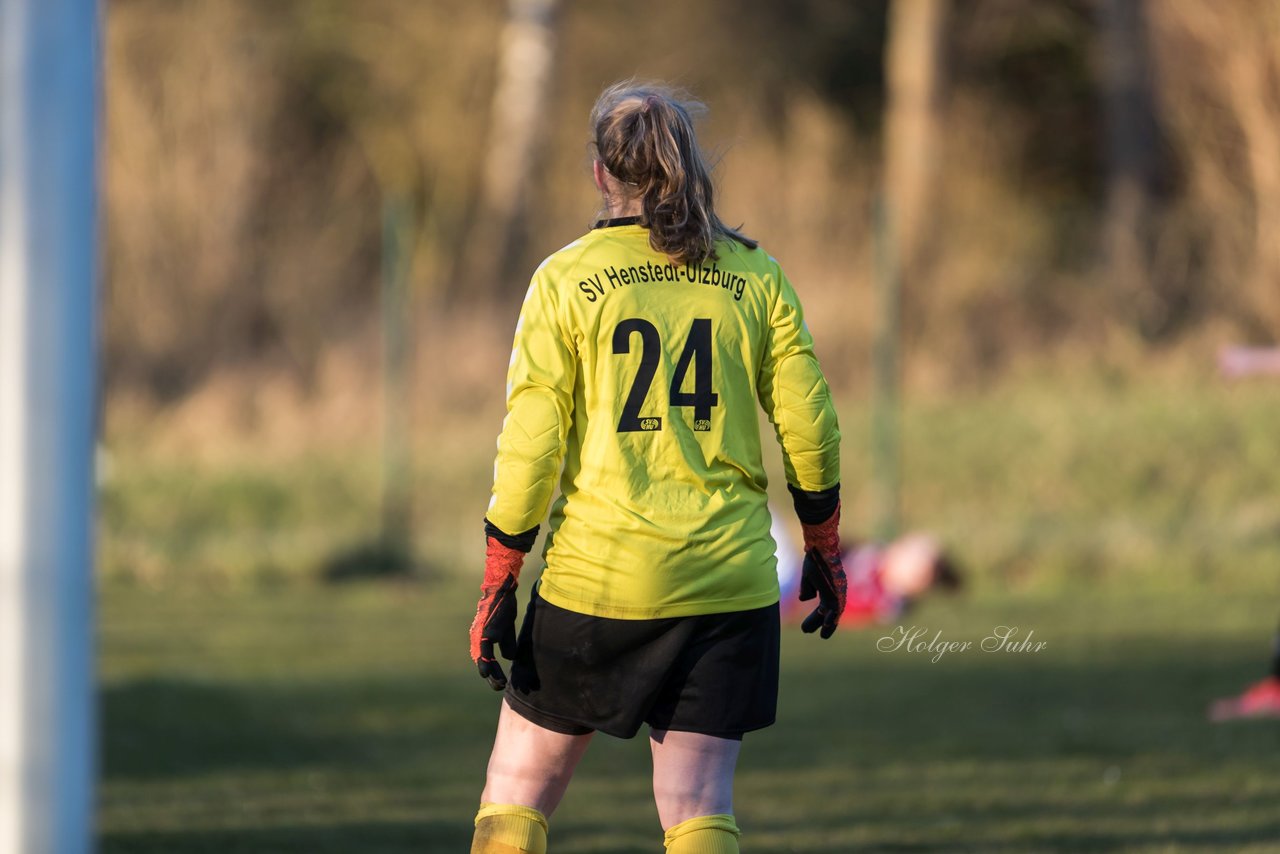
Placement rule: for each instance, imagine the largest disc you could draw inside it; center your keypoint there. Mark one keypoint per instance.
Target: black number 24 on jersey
(696, 355)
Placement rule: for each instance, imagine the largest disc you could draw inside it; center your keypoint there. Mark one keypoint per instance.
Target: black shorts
(715, 674)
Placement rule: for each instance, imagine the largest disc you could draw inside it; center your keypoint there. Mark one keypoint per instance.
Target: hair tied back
(660, 156)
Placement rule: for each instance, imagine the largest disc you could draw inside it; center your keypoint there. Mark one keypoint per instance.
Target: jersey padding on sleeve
(794, 395)
(529, 454)
(806, 424)
(540, 386)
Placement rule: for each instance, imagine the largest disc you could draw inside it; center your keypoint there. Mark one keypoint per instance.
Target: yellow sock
(509, 829)
(706, 834)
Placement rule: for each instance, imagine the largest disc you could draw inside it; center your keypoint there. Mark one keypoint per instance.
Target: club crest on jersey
(702, 425)
(648, 424)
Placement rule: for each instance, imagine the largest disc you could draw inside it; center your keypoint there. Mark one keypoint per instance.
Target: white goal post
(49, 107)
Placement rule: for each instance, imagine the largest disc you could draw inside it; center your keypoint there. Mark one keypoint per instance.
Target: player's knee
(679, 803)
(515, 785)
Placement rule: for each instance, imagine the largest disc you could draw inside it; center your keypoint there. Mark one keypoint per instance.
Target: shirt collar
(616, 221)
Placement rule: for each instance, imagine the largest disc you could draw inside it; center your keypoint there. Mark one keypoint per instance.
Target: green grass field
(313, 721)
(1135, 529)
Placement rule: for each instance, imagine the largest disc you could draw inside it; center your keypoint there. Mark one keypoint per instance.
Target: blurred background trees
(1218, 74)
(1085, 204)
(1079, 178)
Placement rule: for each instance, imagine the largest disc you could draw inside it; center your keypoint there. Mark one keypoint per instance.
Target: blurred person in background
(884, 580)
(642, 351)
(1259, 700)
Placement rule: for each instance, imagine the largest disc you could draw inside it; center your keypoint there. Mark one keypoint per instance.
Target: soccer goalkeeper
(642, 351)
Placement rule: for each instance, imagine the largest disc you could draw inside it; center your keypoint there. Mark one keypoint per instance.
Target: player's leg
(531, 764)
(693, 789)
(724, 683)
(529, 770)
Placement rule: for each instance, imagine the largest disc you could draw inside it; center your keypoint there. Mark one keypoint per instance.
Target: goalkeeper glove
(495, 621)
(823, 575)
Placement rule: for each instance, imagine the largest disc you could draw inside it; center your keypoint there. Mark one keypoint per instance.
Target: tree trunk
(913, 71)
(516, 133)
(1129, 112)
(1249, 68)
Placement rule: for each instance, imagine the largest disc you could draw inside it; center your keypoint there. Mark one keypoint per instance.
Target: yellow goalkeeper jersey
(642, 378)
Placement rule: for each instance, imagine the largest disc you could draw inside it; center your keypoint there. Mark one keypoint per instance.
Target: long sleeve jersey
(642, 377)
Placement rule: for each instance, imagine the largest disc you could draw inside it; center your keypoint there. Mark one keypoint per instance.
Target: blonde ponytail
(644, 136)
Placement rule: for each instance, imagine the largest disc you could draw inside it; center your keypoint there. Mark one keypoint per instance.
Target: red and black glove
(822, 575)
(495, 621)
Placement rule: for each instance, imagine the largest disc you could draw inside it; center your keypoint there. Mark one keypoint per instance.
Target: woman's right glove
(495, 621)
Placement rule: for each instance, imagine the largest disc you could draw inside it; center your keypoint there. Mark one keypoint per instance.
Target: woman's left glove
(495, 620)
(822, 575)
